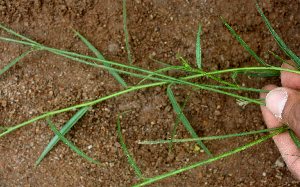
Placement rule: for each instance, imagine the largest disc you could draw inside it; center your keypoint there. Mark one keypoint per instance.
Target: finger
(288, 79)
(284, 103)
(283, 141)
(270, 119)
(289, 152)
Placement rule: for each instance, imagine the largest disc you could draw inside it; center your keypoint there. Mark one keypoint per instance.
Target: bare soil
(160, 29)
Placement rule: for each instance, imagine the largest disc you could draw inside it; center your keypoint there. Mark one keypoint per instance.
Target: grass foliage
(158, 78)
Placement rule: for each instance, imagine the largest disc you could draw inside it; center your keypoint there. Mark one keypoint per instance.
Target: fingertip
(268, 88)
(270, 120)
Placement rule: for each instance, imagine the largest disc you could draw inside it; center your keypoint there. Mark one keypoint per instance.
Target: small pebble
(279, 163)
(217, 112)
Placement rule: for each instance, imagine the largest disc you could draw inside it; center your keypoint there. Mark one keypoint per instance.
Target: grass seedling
(159, 78)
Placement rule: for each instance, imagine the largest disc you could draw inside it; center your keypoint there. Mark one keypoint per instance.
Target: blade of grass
(80, 106)
(233, 76)
(130, 159)
(125, 32)
(161, 70)
(198, 48)
(186, 70)
(283, 129)
(184, 62)
(207, 138)
(278, 39)
(66, 141)
(178, 119)
(98, 54)
(121, 71)
(185, 121)
(63, 131)
(284, 61)
(261, 73)
(294, 138)
(63, 53)
(4, 128)
(172, 79)
(60, 52)
(111, 96)
(244, 44)
(16, 34)
(14, 61)
(159, 62)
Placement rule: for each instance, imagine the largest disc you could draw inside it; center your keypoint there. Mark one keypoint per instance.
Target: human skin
(283, 108)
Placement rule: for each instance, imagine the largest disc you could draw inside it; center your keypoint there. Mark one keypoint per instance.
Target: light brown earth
(160, 29)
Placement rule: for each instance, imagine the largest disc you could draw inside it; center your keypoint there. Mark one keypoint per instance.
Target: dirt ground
(160, 29)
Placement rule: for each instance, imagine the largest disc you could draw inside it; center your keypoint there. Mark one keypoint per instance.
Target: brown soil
(160, 29)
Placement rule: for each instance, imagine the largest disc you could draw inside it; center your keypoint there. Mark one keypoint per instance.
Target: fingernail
(275, 101)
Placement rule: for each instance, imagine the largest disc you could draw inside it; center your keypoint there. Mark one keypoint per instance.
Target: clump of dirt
(44, 82)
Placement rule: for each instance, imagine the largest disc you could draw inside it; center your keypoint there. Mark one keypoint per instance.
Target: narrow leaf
(244, 44)
(16, 34)
(161, 70)
(98, 54)
(284, 61)
(184, 62)
(209, 138)
(261, 73)
(66, 141)
(130, 159)
(294, 138)
(198, 48)
(234, 74)
(178, 119)
(63, 131)
(185, 121)
(158, 61)
(283, 129)
(278, 40)
(14, 61)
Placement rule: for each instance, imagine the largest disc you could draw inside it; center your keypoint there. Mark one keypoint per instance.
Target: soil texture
(159, 29)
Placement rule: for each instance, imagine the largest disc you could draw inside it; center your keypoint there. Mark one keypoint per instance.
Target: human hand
(283, 108)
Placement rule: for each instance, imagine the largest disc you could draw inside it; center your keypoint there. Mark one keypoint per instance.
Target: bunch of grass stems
(158, 78)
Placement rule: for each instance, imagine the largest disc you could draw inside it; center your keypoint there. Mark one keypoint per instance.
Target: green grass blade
(177, 120)
(16, 34)
(130, 159)
(284, 61)
(158, 61)
(261, 73)
(185, 121)
(198, 48)
(184, 62)
(294, 138)
(125, 32)
(208, 138)
(14, 61)
(244, 44)
(3, 128)
(233, 76)
(161, 70)
(63, 131)
(98, 54)
(283, 129)
(66, 141)
(278, 40)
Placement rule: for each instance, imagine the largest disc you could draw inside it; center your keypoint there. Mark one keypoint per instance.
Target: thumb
(284, 103)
